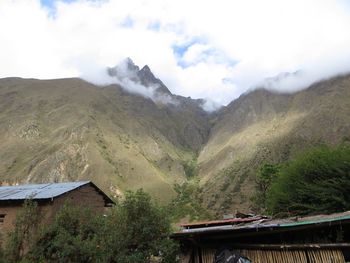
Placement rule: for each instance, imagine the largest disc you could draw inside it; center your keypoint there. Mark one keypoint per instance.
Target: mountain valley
(69, 129)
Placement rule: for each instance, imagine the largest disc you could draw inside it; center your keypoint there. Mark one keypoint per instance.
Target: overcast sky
(203, 49)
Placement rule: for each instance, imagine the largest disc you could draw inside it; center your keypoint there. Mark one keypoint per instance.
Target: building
(50, 198)
(321, 238)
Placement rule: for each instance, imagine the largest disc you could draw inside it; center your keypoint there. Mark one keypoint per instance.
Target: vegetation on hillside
(264, 178)
(122, 141)
(263, 126)
(314, 181)
(187, 203)
(78, 131)
(135, 230)
(190, 167)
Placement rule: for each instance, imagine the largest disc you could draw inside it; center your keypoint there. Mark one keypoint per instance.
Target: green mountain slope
(68, 129)
(262, 126)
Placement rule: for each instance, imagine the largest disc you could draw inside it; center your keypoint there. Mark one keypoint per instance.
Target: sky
(215, 50)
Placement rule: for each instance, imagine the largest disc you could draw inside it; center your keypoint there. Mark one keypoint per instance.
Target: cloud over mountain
(206, 49)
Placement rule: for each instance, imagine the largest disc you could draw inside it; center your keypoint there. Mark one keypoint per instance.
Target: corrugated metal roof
(37, 191)
(316, 221)
(262, 223)
(222, 222)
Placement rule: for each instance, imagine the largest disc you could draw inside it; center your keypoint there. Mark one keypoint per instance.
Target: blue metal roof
(38, 191)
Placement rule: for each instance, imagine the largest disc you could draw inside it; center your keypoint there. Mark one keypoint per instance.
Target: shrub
(316, 181)
(74, 236)
(266, 174)
(187, 202)
(190, 167)
(133, 231)
(138, 230)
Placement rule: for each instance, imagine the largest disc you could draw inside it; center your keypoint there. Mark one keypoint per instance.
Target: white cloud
(224, 47)
(127, 78)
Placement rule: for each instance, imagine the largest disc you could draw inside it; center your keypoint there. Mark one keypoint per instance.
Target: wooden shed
(50, 198)
(321, 238)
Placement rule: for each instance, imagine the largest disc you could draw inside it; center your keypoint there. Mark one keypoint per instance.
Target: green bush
(187, 202)
(74, 236)
(135, 230)
(190, 167)
(138, 230)
(316, 181)
(265, 176)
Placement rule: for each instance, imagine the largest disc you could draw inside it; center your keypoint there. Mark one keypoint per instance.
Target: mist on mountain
(132, 79)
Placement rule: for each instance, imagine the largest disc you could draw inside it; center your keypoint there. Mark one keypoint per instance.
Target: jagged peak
(146, 69)
(126, 69)
(146, 72)
(128, 60)
(129, 64)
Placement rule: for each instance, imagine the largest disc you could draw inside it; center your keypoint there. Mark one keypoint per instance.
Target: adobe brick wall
(10, 216)
(85, 196)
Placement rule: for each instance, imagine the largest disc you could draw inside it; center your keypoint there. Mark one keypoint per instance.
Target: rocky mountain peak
(147, 78)
(146, 74)
(127, 69)
(130, 65)
(146, 69)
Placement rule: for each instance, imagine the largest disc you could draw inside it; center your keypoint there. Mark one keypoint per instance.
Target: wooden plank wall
(278, 256)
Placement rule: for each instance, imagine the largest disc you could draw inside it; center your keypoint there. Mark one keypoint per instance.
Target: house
(321, 238)
(50, 198)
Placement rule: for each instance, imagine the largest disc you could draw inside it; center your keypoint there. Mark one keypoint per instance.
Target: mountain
(262, 126)
(126, 69)
(69, 129)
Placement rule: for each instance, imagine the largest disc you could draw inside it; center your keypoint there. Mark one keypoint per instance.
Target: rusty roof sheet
(229, 221)
(239, 224)
(37, 191)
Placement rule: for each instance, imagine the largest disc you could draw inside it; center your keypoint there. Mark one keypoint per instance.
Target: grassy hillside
(68, 129)
(262, 126)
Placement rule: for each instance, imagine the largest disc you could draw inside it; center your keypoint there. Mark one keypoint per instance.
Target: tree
(315, 181)
(74, 236)
(135, 230)
(138, 230)
(20, 240)
(265, 176)
(187, 202)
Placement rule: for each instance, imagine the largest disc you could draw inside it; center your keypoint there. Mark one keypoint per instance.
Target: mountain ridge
(263, 126)
(70, 129)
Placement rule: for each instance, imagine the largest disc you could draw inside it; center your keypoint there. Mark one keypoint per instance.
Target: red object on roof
(230, 221)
